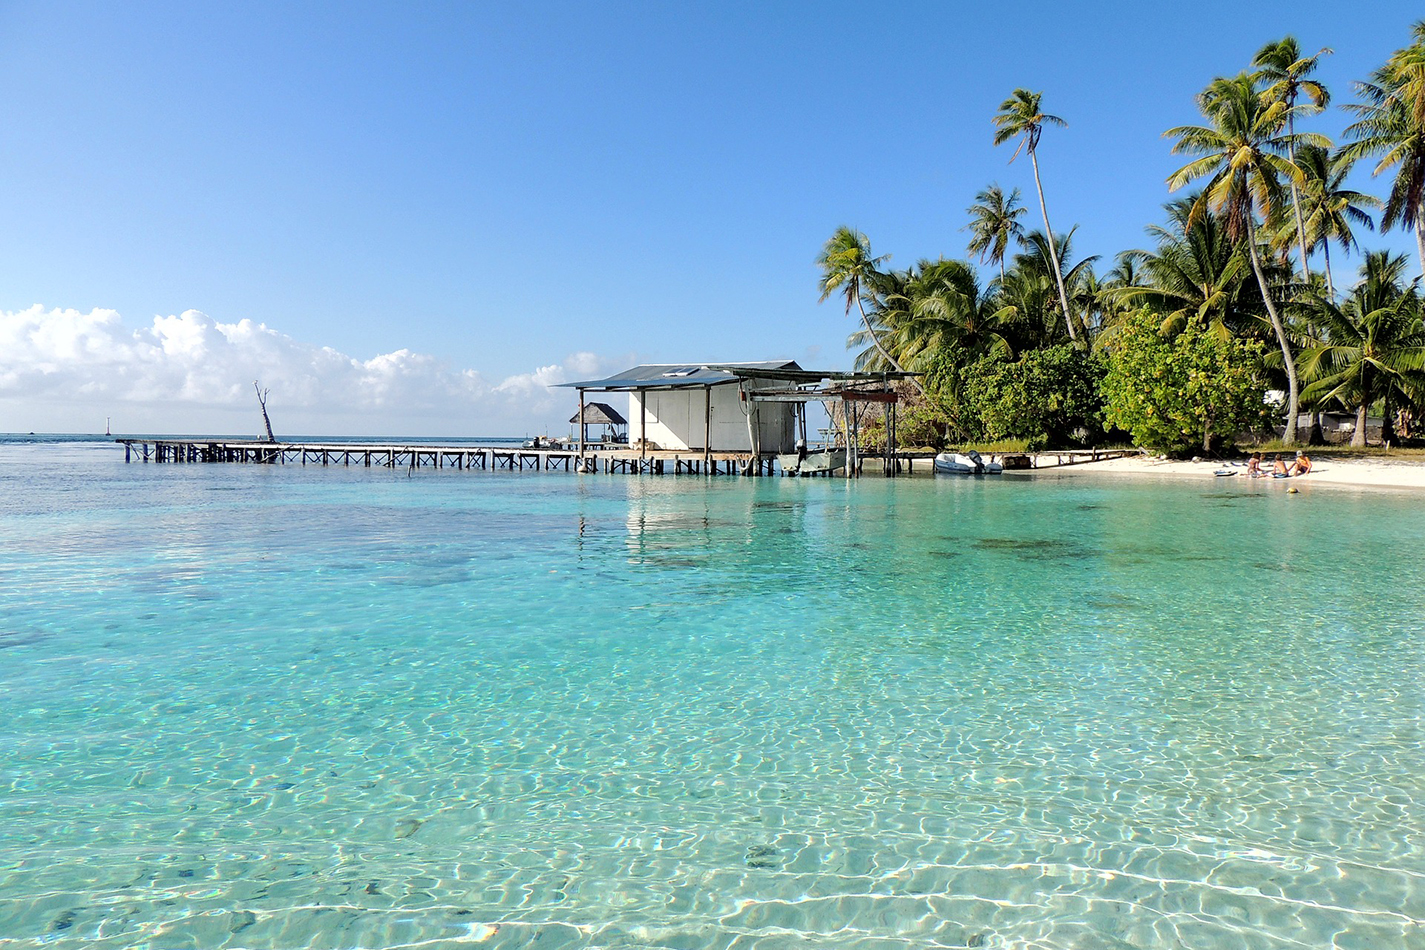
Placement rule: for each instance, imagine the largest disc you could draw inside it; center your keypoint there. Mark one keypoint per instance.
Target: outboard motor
(979, 462)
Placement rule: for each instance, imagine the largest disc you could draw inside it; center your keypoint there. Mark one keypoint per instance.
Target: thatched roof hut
(599, 414)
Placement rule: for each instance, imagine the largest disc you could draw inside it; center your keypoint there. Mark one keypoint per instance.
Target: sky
(415, 218)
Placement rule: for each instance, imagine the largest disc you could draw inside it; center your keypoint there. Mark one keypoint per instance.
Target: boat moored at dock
(966, 463)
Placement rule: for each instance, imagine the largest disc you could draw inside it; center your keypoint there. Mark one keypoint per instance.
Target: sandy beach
(1359, 472)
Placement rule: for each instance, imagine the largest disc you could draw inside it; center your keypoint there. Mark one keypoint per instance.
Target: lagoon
(249, 706)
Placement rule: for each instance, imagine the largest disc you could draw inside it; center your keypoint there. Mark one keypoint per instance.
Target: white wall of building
(676, 420)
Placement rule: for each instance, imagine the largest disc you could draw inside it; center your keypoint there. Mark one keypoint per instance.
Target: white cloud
(62, 370)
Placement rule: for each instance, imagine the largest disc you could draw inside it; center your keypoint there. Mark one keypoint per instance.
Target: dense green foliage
(1048, 397)
(1180, 342)
(1174, 392)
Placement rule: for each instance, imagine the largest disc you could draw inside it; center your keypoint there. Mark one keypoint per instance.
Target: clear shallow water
(285, 707)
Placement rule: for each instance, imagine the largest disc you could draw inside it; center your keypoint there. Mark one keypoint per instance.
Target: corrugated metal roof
(679, 375)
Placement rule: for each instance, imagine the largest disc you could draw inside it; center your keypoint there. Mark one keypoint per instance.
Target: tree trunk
(262, 401)
(1295, 200)
(1207, 436)
(1292, 400)
(1054, 248)
(1358, 438)
(1316, 436)
(866, 322)
(1420, 241)
(1330, 287)
(1387, 420)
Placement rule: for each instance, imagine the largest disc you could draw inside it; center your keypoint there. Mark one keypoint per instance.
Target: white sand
(1364, 472)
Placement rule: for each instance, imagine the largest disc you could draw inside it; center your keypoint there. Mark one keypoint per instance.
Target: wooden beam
(582, 429)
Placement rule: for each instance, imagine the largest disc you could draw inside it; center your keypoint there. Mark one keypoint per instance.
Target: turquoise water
(270, 707)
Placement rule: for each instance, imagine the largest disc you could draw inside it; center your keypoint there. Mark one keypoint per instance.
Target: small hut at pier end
(609, 425)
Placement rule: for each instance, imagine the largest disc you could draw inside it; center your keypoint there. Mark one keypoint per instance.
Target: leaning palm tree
(952, 309)
(1374, 344)
(1037, 257)
(1284, 73)
(994, 223)
(923, 311)
(1241, 155)
(1328, 208)
(1021, 116)
(847, 266)
(1391, 124)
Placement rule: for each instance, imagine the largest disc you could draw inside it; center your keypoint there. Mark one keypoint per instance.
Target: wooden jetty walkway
(595, 457)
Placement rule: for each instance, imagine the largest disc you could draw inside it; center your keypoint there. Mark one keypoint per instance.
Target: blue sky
(497, 188)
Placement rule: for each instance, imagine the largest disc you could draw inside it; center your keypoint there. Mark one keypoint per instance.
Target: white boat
(967, 463)
(814, 462)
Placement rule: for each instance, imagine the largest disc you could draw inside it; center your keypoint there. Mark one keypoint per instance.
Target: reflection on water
(263, 707)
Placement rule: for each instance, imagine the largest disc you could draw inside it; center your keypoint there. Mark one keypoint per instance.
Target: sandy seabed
(1365, 473)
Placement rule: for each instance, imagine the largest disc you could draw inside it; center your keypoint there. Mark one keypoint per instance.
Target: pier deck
(595, 457)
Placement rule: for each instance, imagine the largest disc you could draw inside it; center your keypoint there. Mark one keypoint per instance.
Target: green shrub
(1048, 397)
(1180, 392)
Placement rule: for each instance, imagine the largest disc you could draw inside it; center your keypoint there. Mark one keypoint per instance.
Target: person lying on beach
(1279, 467)
(1301, 466)
(1254, 466)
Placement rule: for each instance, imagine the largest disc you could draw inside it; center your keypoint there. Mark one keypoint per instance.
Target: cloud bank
(62, 370)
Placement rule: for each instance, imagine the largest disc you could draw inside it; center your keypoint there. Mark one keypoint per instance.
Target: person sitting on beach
(1302, 465)
(1279, 467)
(1254, 466)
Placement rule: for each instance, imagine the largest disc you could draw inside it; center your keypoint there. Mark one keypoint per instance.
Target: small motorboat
(813, 462)
(966, 463)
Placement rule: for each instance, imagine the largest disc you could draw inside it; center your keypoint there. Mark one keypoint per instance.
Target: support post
(895, 459)
(886, 424)
(643, 424)
(846, 432)
(707, 425)
(582, 428)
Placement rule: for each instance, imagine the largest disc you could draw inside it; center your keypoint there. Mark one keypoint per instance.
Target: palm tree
(1375, 343)
(994, 223)
(1037, 258)
(1391, 124)
(847, 266)
(1284, 71)
(1025, 302)
(1021, 116)
(1194, 272)
(1241, 152)
(1328, 207)
(932, 307)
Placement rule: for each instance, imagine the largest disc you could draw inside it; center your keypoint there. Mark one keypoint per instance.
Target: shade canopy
(686, 375)
(599, 414)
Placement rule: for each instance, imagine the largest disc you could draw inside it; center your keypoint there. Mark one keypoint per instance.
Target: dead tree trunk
(262, 403)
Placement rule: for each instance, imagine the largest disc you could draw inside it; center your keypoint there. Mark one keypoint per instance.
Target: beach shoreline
(1326, 470)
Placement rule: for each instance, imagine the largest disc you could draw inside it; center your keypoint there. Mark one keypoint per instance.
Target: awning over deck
(690, 375)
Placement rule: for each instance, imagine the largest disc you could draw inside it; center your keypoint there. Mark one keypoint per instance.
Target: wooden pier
(595, 457)
(612, 461)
